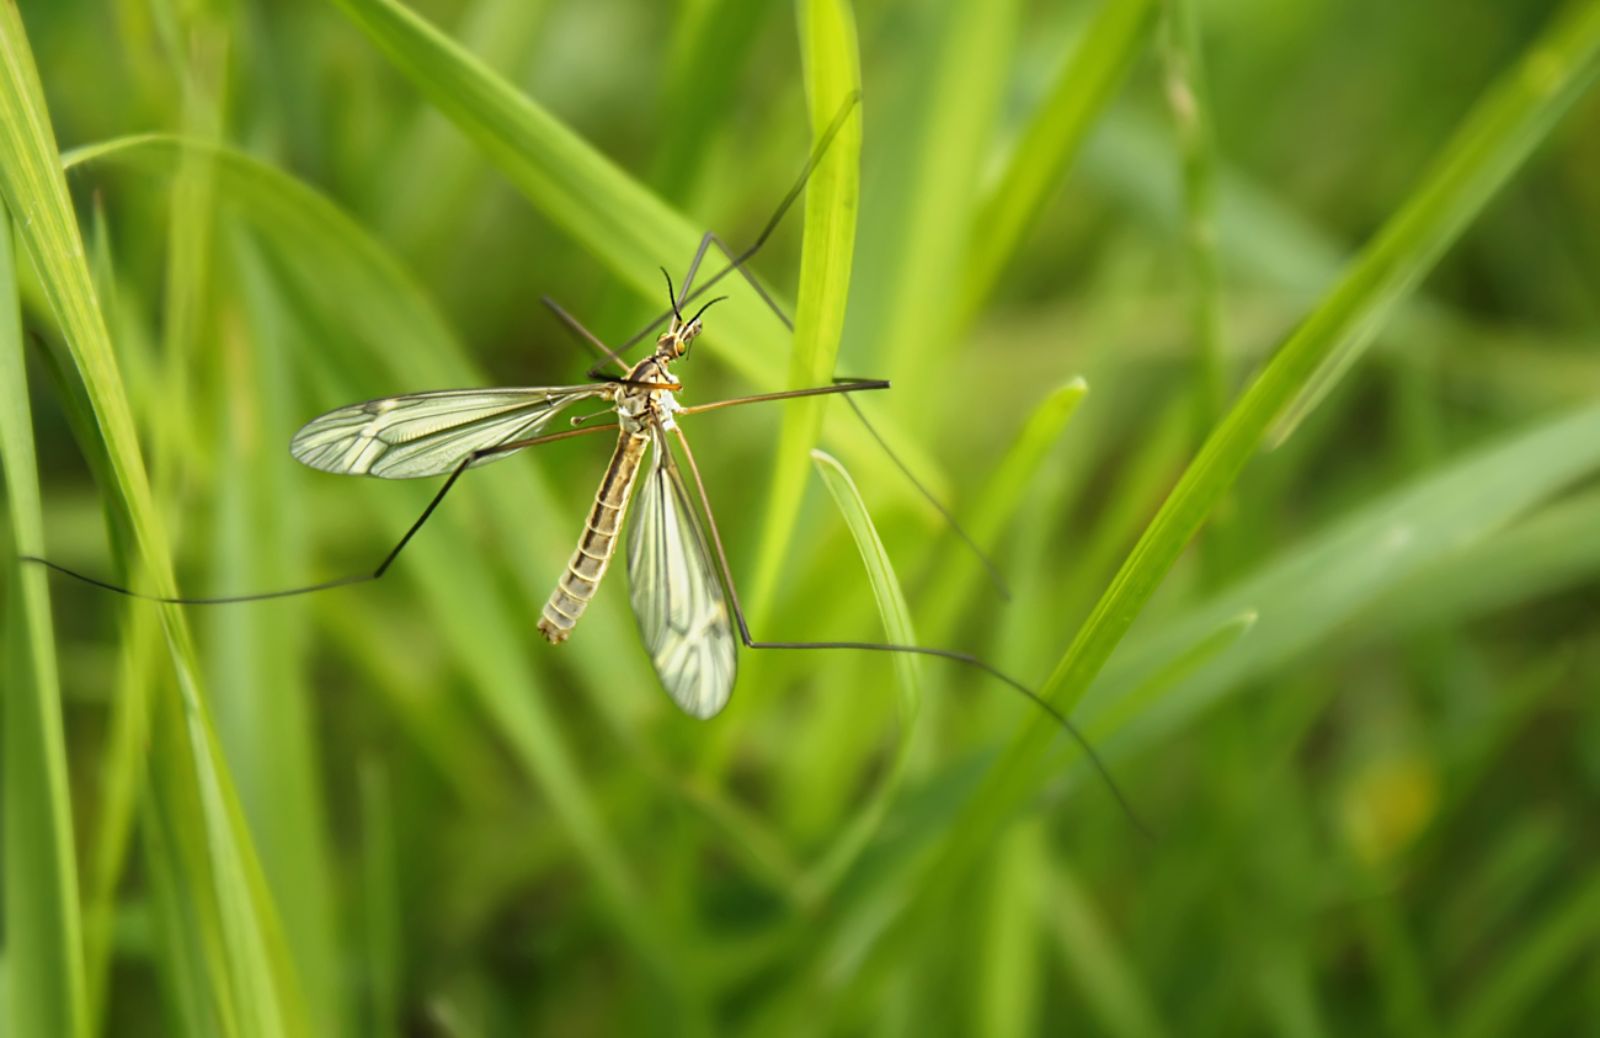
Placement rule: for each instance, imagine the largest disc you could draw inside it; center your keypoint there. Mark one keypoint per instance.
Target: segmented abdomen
(577, 585)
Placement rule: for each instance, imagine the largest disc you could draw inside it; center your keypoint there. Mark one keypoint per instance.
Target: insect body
(676, 595)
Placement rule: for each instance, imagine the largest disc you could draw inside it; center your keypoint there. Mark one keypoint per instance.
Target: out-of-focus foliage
(1358, 709)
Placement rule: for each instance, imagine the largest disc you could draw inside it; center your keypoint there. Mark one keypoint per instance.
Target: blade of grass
(1055, 134)
(267, 721)
(1012, 963)
(1190, 104)
(897, 628)
(44, 939)
(958, 577)
(832, 75)
(123, 773)
(1519, 112)
(259, 974)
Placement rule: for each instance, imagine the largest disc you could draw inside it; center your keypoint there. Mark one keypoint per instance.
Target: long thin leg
(948, 654)
(839, 386)
(766, 232)
(327, 585)
(589, 338)
(995, 576)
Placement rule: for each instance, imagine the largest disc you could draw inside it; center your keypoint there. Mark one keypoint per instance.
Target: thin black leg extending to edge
(948, 654)
(328, 585)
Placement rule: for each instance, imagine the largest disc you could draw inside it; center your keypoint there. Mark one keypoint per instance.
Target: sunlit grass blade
(880, 571)
(267, 723)
(44, 938)
(34, 188)
(833, 76)
(1011, 965)
(1087, 83)
(958, 578)
(899, 631)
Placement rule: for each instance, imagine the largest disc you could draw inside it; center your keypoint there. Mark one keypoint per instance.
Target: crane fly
(680, 583)
(675, 586)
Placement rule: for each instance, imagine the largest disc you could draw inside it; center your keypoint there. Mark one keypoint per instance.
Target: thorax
(639, 408)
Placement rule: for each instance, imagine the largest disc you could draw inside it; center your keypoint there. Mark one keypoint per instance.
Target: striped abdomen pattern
(577, 585)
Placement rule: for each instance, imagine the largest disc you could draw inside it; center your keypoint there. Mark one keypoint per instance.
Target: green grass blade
(35, 190)
(1079, 96)
(833, 74)
(880, 571)
(897, 628)
(1490, 146)
(960, 577)
(44, 939)
(1012, 962)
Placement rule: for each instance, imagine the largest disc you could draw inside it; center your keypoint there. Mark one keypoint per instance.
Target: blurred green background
(1358, 715)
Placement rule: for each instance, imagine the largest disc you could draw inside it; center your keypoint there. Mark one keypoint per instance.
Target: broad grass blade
(44, 936)
(833, 74)
(199, 794)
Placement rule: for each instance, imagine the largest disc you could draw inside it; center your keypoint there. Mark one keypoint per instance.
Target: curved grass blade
(833, 74)
(897, 628)
(1488, 148)
(955, 585)
(44, 938)
(258, 974)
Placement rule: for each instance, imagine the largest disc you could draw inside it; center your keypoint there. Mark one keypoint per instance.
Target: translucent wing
(677, 598)
(427, 434)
